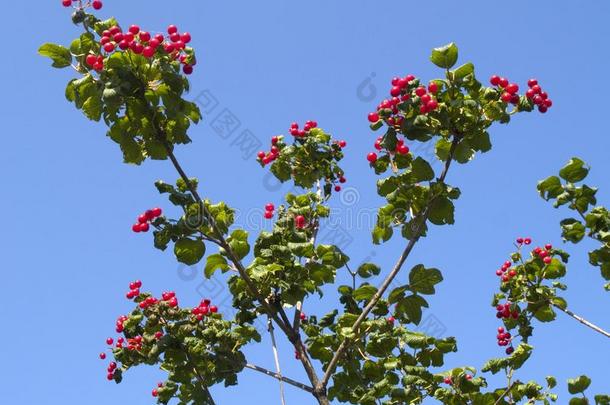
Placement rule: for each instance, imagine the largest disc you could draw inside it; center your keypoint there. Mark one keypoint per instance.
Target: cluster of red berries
(391, 319)
(204, 309)
(268, 157)
(120, 324)
(504, 311)
(143, 220)
(449, 380)
(134, 289)
(401, 149)
(144, 43)
(96, 4)
(510, 92)
(506, 272)
(269, 210)
(544, 254)
(401, 91)
(155, 392)
(524, 241)
(301, 133)
(111, 367)
(504, 339)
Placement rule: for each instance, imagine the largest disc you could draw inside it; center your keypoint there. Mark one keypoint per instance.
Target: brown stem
(332, 365)
(583, 321)
(510, 387)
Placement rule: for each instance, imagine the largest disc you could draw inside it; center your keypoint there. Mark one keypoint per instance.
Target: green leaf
(578, 401)
(463, 71)
(574, 171)
(578, 384)
(550, 187)
(367, 270)
(445, 56)
(422, 280)
(602, 400)
(572, 230)
(551, 381)
(239, 243)
(189, 251)
(422, 170)
(364, 293)
(215, 262)
(60, 55)
(412, 307)
(441, 211)
(545, 314)
(555, 269)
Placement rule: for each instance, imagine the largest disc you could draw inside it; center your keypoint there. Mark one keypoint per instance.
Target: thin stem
(279, 377)
(583, 321)
(277, 359)
(332, 365)
(510, 387)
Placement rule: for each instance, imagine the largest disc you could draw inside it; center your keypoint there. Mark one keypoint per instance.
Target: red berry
(110, 376)
(547, 260)
(268, 214)
(371, 157)
(172, 29)
(134, 29)
(532, 82)
(269, 207)
(391, 319)
(124, 44)
(542, 108)
(135, 227)
(186, 37)
(506, 97)
(548, 103)
(342, 179)
(97, 4)
(187, 69)
(426, 98)
(342, 144)
(373, 117)
(512, 88)
(157, 211)
(337, 188)
(137, 48)
(102, 356)
(432, 87)
(260, 154)
(148, 51)
(91, 59)
(66, 3)
(155, 393)
(142, 218)
(144, 36)
(527, 241)
(537, 89)
(109, 341)
(213, 309)
(503, 82)
(420, 91)
(144, 227)
(510, 350)
(402, 149)
(395, 91)
(299, 221)
(431, 105)
(447, 380)
(494, 80)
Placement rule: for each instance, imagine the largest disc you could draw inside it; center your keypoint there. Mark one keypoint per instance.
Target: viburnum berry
(371, 157)
(342, 144)
(373, 117)
(342, 179)
(213, 309)
(172, 29)
(402, 149)
(299, 221)
(337, 188)
(494, 80)
(391, 319)
(268, 214)
(187, 69)
(97, 4)
(66, 3)
(420, 91)
(503, 82)
(269, 207)
(512, 88)
(432, 87)
(109, 341)
(155, 393)
(110, 376)
(134, 29)
(527, 241)
(91, 60)
(102, 356)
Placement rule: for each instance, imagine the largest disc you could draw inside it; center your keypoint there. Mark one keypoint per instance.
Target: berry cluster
(301, 133)
(524, 241)
(504, 339)
(510, 92)
(144, 43)
(268, 157)
(400, 149)
(96, 4)
(269, 210)
(506, 272)
(155, 392)
(544, 253)
(504, 311)
(111, 367)
(134, 289)
(142, 225)
(204, 309)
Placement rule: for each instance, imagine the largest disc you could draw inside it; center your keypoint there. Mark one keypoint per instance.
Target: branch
(332, 365)
(277, 359)
(510, 387)
(279, 377)
(583, 321)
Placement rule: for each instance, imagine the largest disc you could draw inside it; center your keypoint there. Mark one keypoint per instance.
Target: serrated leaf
(60, 55)
(189, 251)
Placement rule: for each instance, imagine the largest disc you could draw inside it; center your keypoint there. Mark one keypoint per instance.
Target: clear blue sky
(68, 252)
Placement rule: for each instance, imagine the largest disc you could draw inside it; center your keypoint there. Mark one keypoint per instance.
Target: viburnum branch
(332, 365)
(276, 358)
(583, 321)
(277, 376)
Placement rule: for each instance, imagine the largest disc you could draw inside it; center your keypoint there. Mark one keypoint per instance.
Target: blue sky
(67, 249)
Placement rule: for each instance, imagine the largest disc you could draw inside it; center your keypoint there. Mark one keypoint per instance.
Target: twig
(583, 321)
(279, 377)
(277, 359)
(510, 387)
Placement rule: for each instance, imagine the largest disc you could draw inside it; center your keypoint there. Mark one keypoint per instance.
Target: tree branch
(279, 377)
(583, 321)
(332, 365)
(277, 359)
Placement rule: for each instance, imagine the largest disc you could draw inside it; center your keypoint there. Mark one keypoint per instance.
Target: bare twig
(583, 321)
(277, 359)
